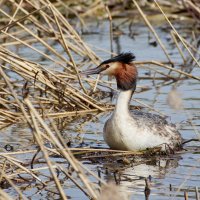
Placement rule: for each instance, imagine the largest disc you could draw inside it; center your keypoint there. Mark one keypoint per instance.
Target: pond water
(181, 171)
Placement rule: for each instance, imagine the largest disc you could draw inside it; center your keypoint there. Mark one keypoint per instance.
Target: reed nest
(43, 96)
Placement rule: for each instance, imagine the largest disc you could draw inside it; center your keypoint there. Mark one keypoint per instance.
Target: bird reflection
(140, 175)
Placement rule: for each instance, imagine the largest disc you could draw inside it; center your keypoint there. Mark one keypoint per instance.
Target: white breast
(123, 132)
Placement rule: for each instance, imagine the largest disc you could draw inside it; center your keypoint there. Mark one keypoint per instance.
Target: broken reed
(36, 93)
(32, 83)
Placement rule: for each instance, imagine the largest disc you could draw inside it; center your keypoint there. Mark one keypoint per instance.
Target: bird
(133, 130)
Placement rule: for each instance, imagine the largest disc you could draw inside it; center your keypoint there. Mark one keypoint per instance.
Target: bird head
(121, 67)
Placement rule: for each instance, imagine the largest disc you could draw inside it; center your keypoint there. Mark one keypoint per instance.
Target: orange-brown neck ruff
(126, 76)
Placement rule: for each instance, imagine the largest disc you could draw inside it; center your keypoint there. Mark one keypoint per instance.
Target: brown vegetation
(40, 95)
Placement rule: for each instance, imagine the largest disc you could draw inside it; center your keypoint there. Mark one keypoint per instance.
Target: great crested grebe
(127, 130)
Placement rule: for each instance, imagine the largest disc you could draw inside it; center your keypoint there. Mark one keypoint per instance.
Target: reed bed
(45, 96)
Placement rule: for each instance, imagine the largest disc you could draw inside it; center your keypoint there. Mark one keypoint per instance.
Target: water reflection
(133, 176)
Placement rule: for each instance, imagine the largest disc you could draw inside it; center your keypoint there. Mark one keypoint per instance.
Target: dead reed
(44, 89)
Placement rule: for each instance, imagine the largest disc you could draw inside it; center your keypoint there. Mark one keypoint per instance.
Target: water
(182, 171)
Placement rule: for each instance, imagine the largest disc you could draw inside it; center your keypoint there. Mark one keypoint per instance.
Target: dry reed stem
(74, 113)
(13, 93)
(71, 149)
(68, 52)
(31, 18)
(111, 33)
(93, 174)
(95, 5)
(186, 195)
(40, 142)
(47, 17)
(21, 196)
(29, 41)
(175, 31)
(196, 8)
(74, 181)
(191, 46)
(67, 154)
(5, 195)
(14, 162)
(81, 95)
(19, 20)
(90, 53)
(73, 11)
(177, 46)
(111, 29)
(38, 39)
(197, 193)
(2, 170)
(152, 30)
(161, 73)
(33, 48)
(44, 80)
(15, 13)
(170, 68)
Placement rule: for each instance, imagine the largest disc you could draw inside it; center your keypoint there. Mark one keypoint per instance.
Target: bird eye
(107, 66)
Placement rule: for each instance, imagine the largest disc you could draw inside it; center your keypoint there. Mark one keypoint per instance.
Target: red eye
(107, 66)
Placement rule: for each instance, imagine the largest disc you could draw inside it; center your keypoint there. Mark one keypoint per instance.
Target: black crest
(122, 57)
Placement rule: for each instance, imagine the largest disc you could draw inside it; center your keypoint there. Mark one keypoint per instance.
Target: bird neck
(123, 100)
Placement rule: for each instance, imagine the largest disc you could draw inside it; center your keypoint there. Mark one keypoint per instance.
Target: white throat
(123, 100)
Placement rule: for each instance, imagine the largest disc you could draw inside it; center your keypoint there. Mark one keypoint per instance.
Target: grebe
(126, 130)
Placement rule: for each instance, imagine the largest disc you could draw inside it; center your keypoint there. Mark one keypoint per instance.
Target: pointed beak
(95, 70)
